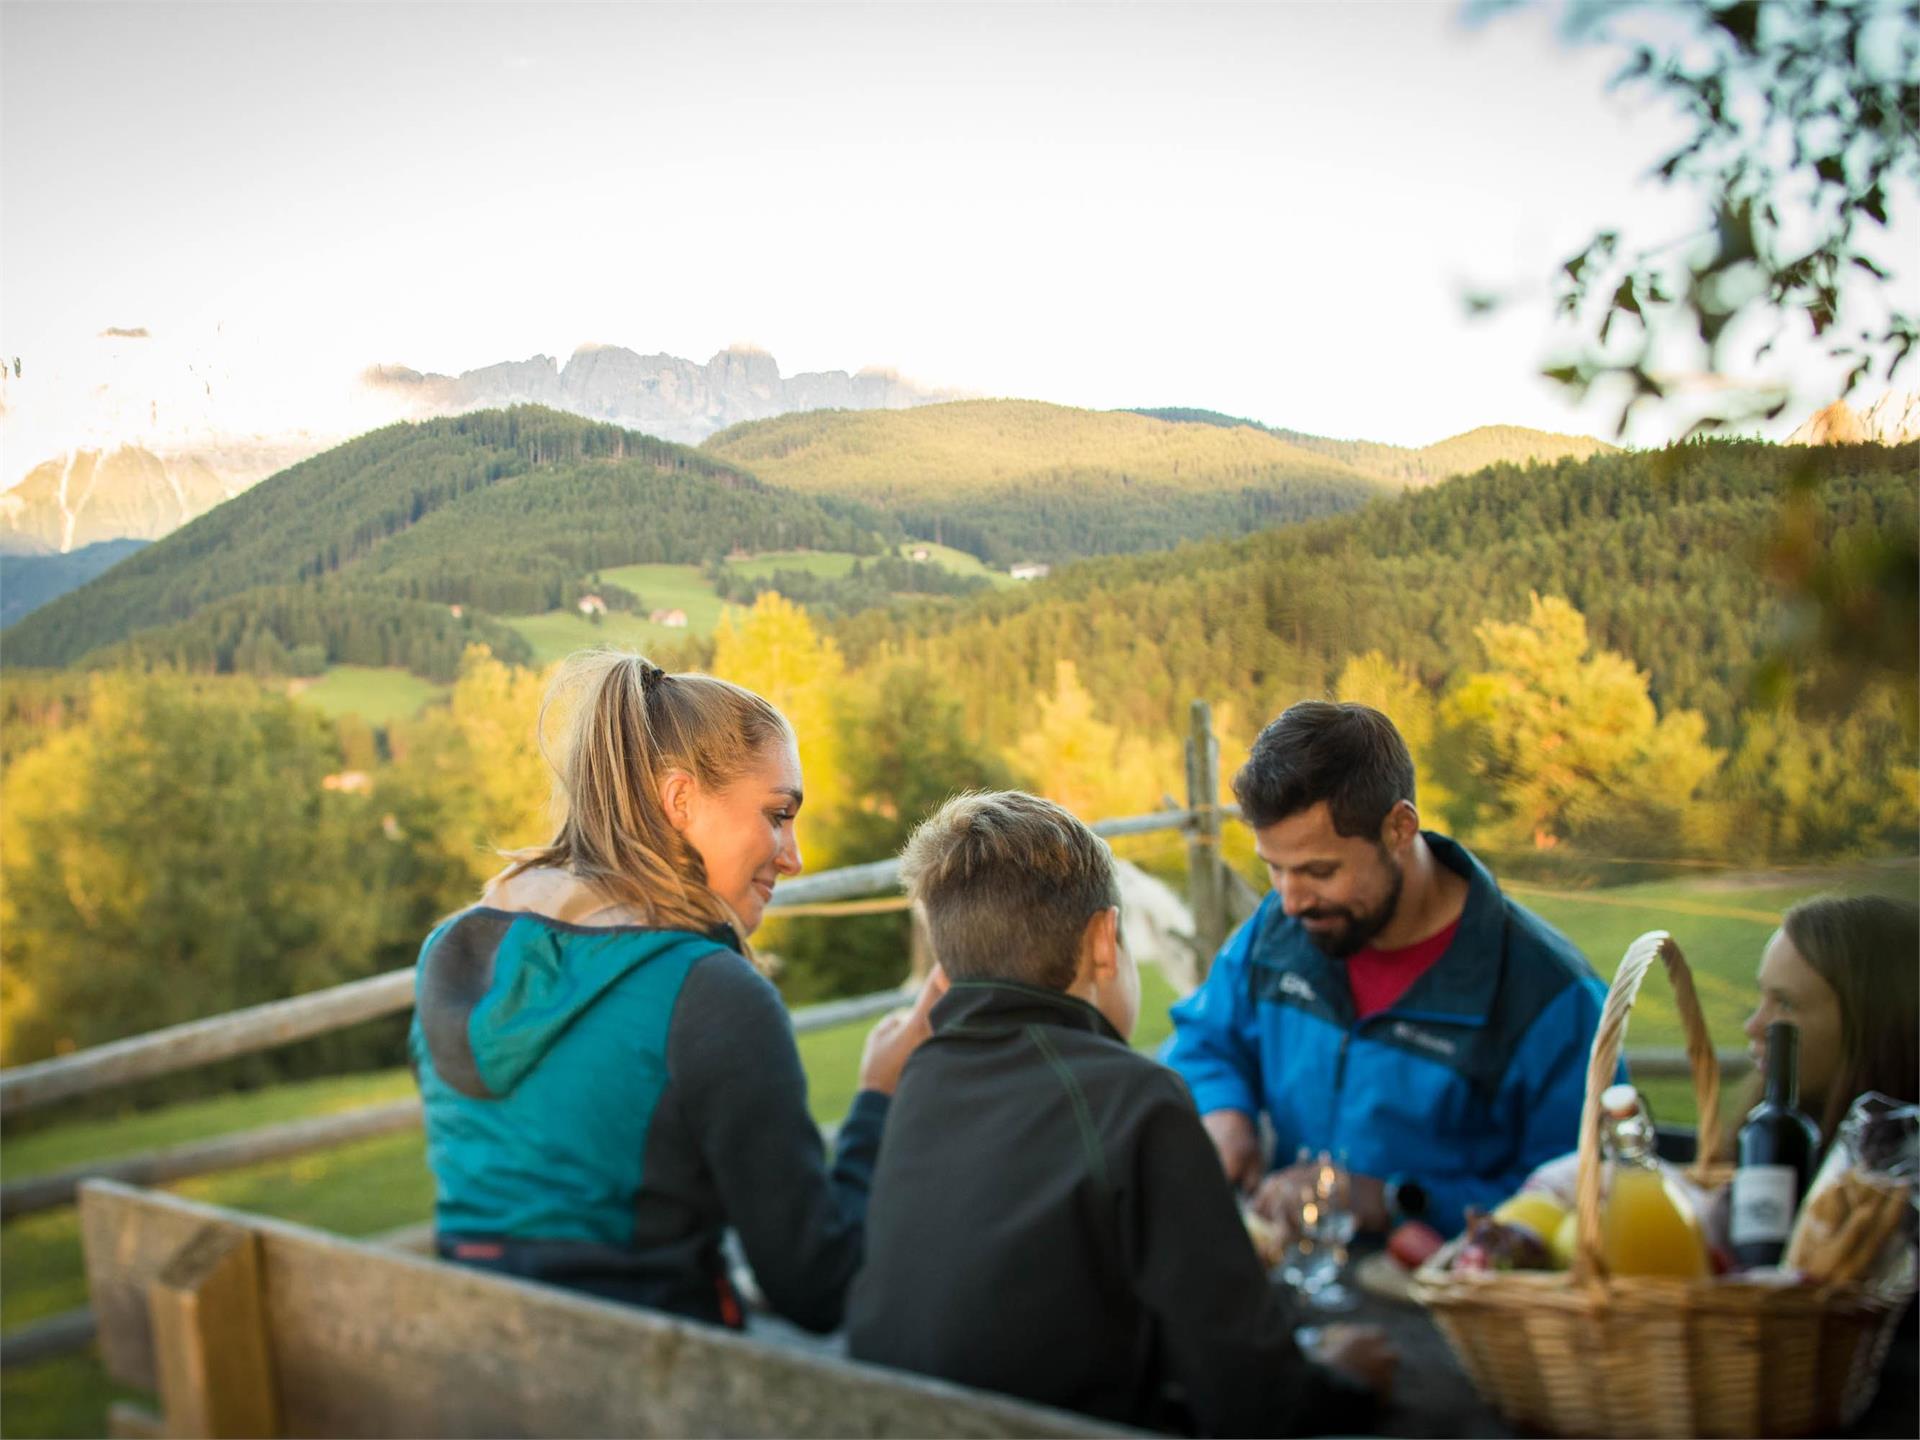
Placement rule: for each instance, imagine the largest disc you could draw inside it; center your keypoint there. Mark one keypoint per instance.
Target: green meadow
(960, 562)
(559, 633)
(378, 694)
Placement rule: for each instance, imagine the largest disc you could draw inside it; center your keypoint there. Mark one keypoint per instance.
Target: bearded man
(1386, 1004)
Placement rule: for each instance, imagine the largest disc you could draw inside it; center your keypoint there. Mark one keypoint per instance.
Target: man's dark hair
(1347, 755)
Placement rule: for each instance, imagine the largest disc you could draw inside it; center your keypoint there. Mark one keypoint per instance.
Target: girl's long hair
(1867, 947)
(623, 723)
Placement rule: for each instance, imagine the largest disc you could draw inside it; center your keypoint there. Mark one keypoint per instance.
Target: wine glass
(1324, 1226)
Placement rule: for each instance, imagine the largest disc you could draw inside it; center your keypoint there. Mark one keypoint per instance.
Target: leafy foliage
(175, 852)
(1805, 124)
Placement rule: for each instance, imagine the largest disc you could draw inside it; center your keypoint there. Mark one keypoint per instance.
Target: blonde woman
(609, 1082)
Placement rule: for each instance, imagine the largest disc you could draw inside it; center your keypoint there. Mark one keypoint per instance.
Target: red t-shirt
(1378, 978)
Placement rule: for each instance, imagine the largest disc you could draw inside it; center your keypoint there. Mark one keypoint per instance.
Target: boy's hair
(1347, 755)
(1009, 882)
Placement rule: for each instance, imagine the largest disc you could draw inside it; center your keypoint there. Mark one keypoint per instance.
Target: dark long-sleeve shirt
(603, 1101)
(1049, 1219)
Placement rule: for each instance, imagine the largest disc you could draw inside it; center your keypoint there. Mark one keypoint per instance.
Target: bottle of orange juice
(1647, 1226)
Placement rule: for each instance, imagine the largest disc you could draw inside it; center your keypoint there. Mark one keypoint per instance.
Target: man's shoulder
(1542, 946)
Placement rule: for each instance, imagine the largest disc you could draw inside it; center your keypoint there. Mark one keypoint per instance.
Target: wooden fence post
(919, 946)
(210, 1338)
(1206, 879)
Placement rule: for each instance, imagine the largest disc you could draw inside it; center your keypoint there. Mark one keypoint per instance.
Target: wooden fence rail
(280, 1022)
(205, 1157)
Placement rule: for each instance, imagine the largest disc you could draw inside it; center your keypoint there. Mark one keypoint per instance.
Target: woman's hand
(898, 1035)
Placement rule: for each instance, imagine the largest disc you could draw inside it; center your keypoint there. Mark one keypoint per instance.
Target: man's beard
(1361, 925)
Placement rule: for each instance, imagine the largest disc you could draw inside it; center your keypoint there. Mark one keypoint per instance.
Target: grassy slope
(988, 446)
(377, 694)
(379, 1184)
(958, 561)
(683, 587)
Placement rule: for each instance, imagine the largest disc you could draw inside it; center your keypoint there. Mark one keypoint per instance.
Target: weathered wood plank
(200, 1042)
(832, 1013)
(372, 1342)
(263, 1027)
(205, 1157)
(416, 1239)
(1206, 873)
(209, 1338)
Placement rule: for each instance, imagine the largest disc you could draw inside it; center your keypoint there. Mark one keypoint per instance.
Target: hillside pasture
(378, 694)
(960, 562)
(559, 633)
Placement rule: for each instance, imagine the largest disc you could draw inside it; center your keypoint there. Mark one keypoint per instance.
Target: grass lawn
(671, 587)
(827, 564)
(380, 1184)
(559, 633)
(377, 694)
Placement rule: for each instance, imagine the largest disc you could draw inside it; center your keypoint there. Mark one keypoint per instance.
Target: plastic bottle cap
(1619, 1100)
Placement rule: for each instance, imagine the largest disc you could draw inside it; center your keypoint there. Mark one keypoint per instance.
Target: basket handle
(1605, 1056)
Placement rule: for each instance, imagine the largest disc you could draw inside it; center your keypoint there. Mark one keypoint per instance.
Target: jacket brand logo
(1291, 984)
(1422, 1040)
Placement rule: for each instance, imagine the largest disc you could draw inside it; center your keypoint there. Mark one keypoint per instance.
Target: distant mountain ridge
(132, 492)
(147, 488)
(28, 581)
(1025, 480)
(398, 548)
(1412, 467)
(659, 394)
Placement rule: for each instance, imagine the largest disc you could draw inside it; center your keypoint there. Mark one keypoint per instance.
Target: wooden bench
(249, 1326)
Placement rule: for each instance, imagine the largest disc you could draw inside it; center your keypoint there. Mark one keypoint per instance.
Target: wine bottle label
(1763, 1197)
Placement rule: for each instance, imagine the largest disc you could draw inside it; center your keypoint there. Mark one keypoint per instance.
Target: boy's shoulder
(1120, 1071)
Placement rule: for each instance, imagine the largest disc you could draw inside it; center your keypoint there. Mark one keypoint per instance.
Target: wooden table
(1432, 1395)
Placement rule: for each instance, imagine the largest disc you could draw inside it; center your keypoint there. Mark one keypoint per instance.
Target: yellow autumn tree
(470, 778)
(1088, 764)
(774, 651)
(1396, 692)
(1568, 743)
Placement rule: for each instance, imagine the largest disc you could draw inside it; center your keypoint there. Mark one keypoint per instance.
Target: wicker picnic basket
(1585, 1353)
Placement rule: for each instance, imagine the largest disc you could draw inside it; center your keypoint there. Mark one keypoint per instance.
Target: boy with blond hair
(1048, 1218)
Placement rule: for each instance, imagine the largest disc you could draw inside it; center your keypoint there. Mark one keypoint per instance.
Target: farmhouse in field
(592, 605)
(1030, 572)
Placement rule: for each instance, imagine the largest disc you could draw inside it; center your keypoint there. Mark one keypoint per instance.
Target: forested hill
(364, 549)
(1023, 480)
(1663, 551)
(1407, 466)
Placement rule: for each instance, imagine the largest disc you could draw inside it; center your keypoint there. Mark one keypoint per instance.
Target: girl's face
(744, 831)
(1792, 990)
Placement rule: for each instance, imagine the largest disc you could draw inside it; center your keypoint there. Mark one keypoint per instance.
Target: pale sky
(1271, 210)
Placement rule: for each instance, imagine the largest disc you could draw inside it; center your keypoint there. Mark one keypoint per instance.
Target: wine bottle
(1775, 1156)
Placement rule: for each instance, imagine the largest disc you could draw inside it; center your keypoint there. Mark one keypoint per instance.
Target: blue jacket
(1474, 1077)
